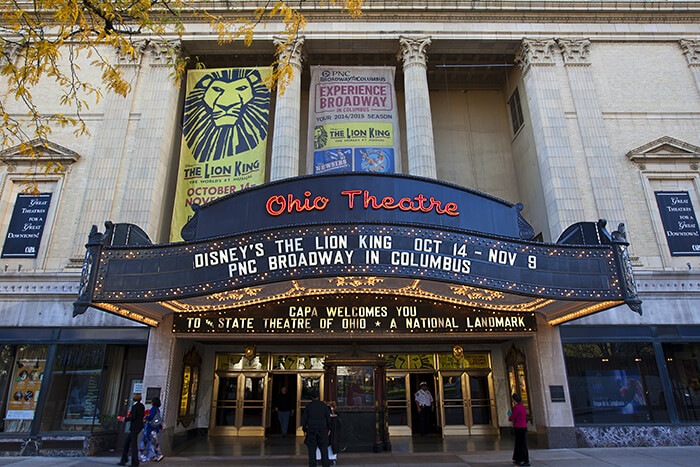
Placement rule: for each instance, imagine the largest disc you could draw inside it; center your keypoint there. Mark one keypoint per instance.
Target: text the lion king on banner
(224, 137)
(353, 120)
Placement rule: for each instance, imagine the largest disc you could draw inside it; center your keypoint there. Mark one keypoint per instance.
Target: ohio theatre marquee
(324, 237)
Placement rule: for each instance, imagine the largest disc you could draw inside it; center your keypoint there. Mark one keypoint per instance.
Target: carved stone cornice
(535, 52)
(14, 283)
(668, 282)
(162, 52)
(575, 51)
(290, 50)
(413, 51)
(691, 49)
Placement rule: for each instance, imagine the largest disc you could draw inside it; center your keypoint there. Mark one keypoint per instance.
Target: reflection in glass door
(398, 401)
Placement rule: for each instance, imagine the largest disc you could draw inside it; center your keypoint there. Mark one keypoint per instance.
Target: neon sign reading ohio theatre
(279, 204)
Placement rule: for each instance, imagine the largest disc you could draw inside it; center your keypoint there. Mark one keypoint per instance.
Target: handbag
(156, 421)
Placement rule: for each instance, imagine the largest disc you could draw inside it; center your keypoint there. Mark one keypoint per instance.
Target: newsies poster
(224, 137)
(353, 120)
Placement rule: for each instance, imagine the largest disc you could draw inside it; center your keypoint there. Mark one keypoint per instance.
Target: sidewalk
(593, 457)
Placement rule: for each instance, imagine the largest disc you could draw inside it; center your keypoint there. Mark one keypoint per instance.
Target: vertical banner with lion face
(224, 137)
(353, 120)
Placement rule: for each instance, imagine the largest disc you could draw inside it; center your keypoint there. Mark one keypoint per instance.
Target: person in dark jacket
(316, 423)
(136, 418)
(519, 418)
(284, 408)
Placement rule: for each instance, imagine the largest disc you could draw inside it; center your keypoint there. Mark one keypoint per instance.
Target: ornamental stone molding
(13, 284)
(413, 51)
(535, 52)
(41, 150)
(162, 52)
(575, 51)
(292, 51)
(665, 151)
(9, 53)
(691, 49)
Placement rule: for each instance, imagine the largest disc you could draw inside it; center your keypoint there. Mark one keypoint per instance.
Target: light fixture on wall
(250, 352)
(458, 352)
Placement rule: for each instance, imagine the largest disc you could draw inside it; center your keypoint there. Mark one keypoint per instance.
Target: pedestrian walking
(150, 448)
(135, 417)
(316, 423)
(284, 408)
(519, 418)
(425, 403)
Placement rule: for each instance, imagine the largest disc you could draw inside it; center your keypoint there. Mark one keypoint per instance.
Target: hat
(423, 383)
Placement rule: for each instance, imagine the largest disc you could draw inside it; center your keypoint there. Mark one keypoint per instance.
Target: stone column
(162, 370)
(284, 162)
(554, 421)
(599, 157)
(554, 155)
(419, 124)
(105, 159)
(691, 49)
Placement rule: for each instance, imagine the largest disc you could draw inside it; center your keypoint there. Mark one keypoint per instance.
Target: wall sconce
(458, 352)
(250, 352)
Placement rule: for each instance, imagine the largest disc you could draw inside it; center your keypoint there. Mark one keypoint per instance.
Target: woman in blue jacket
(150, 450)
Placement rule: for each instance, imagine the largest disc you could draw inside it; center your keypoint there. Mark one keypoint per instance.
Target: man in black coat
(132, 439)
(316, 423)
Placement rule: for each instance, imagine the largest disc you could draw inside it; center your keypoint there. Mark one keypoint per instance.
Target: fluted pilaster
(284, 161)
(594, 136)
(564, 205)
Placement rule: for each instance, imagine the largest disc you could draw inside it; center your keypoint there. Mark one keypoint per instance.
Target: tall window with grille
(516, 111)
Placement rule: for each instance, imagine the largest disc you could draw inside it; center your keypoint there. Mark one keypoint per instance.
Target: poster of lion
(224, 137)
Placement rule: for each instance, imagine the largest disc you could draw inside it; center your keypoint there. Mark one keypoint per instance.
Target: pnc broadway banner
(353, 120)
(224, 136)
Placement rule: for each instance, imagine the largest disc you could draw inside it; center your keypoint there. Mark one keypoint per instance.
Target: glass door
(224, 405)
(239, 408)
(306, 384)
(252, 397)
(482, 406)
(398, 403)
(468, 407)
(454, 403)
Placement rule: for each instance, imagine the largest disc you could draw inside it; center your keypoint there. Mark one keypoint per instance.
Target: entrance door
(279, 381)
(399, 401)
(239, 408)
(454, 403)
(433, 423)
(468, 406)
(307, 383)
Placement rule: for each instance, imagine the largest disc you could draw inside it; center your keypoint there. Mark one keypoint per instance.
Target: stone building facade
(578, 110)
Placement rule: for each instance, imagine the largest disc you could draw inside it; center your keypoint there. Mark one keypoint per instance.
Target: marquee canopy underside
(554, 311)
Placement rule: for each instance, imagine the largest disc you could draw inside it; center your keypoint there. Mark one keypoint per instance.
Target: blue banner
(26, 226)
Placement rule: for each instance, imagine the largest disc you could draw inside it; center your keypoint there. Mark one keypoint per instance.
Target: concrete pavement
(593, 457)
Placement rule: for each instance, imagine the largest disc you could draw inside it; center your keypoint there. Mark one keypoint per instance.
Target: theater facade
(486, 205)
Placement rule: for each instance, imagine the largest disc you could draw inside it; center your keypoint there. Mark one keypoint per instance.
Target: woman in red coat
(519, 418)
